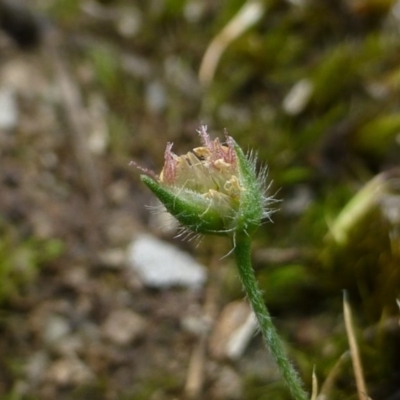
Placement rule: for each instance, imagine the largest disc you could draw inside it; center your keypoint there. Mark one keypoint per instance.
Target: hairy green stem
(271, 337)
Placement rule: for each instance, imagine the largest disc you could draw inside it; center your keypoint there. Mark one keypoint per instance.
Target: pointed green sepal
(193, 210)
(251, 208)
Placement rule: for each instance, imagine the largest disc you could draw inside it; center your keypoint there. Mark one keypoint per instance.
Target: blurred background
(98, 300)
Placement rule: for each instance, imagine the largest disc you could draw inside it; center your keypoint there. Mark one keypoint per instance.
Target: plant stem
(271, 337)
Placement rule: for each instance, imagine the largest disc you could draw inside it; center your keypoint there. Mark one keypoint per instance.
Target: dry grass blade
(355, 355)
(247, 16)
(366, 198)
(330, 380)
(314, 393)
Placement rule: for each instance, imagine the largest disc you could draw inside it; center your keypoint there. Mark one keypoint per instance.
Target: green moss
(377, 136)
(293, 280)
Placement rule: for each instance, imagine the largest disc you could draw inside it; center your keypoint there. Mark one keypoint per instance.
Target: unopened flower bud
(214, 189)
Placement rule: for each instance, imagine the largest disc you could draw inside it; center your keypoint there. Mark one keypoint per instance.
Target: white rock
(162, 265)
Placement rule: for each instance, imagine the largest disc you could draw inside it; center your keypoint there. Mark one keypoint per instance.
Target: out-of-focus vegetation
(314, 87)
(20, 263)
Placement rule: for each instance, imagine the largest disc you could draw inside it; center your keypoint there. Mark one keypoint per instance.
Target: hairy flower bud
(214, 189)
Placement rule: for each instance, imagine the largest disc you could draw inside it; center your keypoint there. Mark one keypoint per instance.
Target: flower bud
(214, 189)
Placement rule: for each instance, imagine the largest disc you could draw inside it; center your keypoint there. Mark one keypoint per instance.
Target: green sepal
(251, 208)
(191, 209)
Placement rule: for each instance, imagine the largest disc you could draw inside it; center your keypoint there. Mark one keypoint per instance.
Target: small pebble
(123, 327)
(56, 327)
(232, 333)
(162, 265)
(8, 109)
(69, 371)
